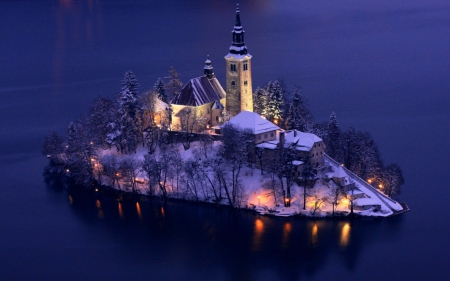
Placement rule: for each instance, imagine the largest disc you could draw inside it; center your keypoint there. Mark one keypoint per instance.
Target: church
(203, 103)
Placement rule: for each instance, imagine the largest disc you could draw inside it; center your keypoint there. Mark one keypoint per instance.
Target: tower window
(233, 83)
(245, 83)
(245, 66)
(232, 67)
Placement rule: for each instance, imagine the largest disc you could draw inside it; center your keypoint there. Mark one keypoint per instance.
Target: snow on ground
(370, 201)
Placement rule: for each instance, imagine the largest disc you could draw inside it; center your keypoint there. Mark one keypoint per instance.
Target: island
(259, 150)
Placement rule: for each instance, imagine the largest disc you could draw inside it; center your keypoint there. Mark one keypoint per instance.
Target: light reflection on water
(290, 247)
(345, 235)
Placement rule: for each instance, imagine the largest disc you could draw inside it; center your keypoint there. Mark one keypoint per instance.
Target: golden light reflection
(99, 207)
(138, 210)
(345, 235)
(287, 228)
(314, 235)
(70, 200)
(162, 212)
(258, 233)
(119, 207)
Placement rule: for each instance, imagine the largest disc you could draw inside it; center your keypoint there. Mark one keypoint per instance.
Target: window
(259, 137)
(265, 136)
(245, 83)
(232, 67)
(245, 66)
(271, 134)
(233, 83)
(217, 118)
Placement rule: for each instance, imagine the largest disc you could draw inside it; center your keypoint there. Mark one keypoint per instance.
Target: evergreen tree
(129, 113)
(259, 100)
(299, 117)
(333, 138)
(275, 101)
(102, 112)
(160, 89)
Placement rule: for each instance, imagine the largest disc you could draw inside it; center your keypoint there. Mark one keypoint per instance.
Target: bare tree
(128, 169)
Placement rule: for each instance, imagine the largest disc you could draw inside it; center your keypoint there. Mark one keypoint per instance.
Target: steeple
(239, 72)
(238, 45)
(208, 69)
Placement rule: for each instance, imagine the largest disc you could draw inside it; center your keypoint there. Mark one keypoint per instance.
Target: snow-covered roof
(366, 202)
(304, 141)
(160, 105)
(237, 56)
(252, 121)
(217, 105)
(297, 162)
(340, 173)
(199, 91)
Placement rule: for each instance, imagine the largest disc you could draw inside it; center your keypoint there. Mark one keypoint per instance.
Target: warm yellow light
(138, 210)
(163, 213)
(259, 225)
(67, 170)
(92, 159)
(342, 164)
(96, 190)
(314, 234)
(98, 204)
(380, 186)
(119, 207)
(345, 235)
(369, 180)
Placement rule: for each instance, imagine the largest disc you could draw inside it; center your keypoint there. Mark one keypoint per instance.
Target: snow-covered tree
(174, 85)
(160, 89)
(53, 146)
(102, 112)
(128, 169)
(129, 113)
(392, 179)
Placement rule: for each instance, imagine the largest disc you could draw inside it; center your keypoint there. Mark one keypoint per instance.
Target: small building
(262, 129)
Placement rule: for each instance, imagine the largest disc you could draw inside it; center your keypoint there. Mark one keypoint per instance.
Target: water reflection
(240, 244)
(119, 208)
(258, 234)
(138, 210)
(314, 235)
(345, 235)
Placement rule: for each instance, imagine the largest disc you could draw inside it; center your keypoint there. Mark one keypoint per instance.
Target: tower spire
(208, 69)
(238, 45)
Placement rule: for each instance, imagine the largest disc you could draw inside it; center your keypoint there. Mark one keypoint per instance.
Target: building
(199, 104)
(238, 72)
(262, 129)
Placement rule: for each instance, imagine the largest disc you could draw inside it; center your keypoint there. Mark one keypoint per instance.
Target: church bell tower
(238, 72)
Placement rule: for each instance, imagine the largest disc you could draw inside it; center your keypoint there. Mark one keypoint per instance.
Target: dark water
(382, 67)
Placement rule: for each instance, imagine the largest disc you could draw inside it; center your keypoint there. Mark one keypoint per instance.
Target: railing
(363, 182)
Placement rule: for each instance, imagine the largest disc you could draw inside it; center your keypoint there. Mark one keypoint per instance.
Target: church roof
(252, 121)
(199, 91)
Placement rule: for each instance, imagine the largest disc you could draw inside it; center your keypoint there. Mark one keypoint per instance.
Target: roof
(252, 121)
(303, 141)
(199, 91)
(340, 173)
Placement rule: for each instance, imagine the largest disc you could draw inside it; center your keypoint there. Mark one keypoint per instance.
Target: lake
(381, 66)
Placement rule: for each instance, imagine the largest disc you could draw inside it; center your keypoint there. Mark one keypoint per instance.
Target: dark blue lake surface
(383, 67)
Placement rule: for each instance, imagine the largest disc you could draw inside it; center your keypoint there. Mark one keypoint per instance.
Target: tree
(128, 168)
(160, 89)
(110, 165)
(392, 179)
(333, 139)
(53, 147)
(102, 112)
(307, 174)
(174, 86)
(336, 195)
(79, 154)
(129, 113)
(299, 117)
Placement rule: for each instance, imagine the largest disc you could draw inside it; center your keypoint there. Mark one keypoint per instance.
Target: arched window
(233, 83)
